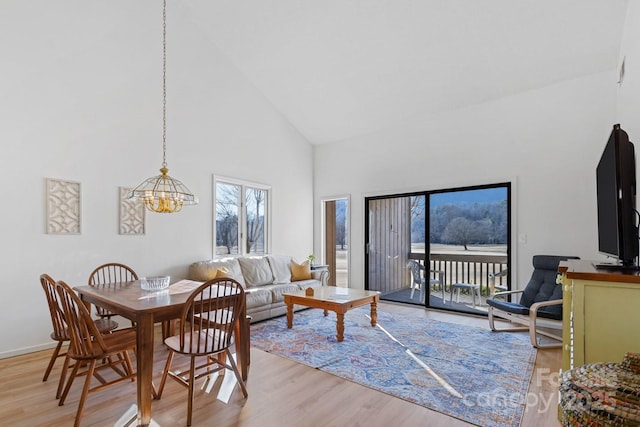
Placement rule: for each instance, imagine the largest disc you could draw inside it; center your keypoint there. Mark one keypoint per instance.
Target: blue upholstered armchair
(540, 299)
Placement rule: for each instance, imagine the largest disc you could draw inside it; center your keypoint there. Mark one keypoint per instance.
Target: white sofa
(264, 278)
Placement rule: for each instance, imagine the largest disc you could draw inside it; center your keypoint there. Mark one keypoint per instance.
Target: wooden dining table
(146, 308)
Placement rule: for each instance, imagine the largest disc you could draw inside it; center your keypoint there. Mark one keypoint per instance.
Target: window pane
(227, 208)
(418, 238)
(469, 230)
(342, 234)
(471, 220)
(256, 201)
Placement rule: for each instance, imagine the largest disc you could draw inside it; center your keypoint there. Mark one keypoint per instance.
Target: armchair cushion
(548, 312)
(541, 298)
(511, 307)
(543, 286)
(551, 311)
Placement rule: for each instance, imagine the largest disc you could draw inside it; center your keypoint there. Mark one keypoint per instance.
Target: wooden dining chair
(60, 332)
(87, 347)
(206, 330)
(112, 274)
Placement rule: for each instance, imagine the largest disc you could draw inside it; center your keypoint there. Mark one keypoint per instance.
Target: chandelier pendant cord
(164, 83)
(163, 193)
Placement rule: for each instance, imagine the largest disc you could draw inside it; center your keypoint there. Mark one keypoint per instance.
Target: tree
(417, 219)
(417, 206)
(227, 234)
(341, 223)
(227, 216)
(255, 217)
(439, 218)
(461, 231)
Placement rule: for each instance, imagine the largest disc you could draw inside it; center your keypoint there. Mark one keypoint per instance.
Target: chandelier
(162, 193)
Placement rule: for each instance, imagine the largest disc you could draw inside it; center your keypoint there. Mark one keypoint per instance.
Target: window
(241, 217)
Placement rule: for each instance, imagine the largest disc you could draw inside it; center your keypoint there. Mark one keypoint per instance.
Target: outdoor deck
(459, 267)
(464, 304)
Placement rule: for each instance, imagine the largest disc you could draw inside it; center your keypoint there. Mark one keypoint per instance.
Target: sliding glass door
(469, 241)
(387, 243)
(459, 237)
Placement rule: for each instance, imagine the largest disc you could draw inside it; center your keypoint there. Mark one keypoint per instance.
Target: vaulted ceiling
(338, 69)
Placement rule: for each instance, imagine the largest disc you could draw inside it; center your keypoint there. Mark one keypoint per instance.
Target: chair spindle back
(86, 340)
(209, 316)
(55, 308)
(111, 275)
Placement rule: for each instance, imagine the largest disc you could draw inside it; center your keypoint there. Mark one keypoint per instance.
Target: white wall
(629, 91)
(80, 85)
(546, 141)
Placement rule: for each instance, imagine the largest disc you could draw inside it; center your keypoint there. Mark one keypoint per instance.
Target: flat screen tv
(616, 192)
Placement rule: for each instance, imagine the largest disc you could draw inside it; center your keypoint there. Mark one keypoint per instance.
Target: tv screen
(616, 190)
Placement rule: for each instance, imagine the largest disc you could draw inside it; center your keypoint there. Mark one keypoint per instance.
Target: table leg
(289, 315)
(340, 326)
(242, 333)
(374, 312)
(168, 328)
(247, 341)
(144, 366)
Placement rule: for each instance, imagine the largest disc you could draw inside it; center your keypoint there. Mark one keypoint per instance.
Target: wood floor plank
(281, 393)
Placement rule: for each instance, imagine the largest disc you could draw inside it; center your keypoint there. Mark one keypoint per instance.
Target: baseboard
(122, 323)
(27, 350)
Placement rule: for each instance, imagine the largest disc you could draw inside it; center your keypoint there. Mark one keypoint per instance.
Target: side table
(471, 286)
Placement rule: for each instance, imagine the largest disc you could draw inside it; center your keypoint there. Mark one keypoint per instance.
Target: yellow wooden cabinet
(601, 314)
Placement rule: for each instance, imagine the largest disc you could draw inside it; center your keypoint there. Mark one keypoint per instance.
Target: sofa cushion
(281, 268)
(300, 271)
(311, 283)
(258, 297)
(201, 271)
(256, 271)
(278, 290)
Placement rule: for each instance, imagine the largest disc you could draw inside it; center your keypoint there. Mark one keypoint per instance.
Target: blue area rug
(469, 373)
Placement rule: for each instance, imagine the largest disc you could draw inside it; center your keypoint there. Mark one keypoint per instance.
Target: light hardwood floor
(281, 393)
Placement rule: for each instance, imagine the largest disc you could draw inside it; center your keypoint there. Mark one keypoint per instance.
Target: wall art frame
(63, 207)
(131, 214)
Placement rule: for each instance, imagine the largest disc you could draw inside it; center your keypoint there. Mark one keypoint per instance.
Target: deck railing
(467, 268)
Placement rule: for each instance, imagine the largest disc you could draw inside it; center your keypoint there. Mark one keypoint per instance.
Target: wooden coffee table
(335, 299)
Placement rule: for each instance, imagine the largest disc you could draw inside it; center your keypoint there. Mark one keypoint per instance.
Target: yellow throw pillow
(210, 273)
(300, 271)
(223, 273)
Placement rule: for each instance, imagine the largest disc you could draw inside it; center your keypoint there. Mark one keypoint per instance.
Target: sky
(485, 195)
